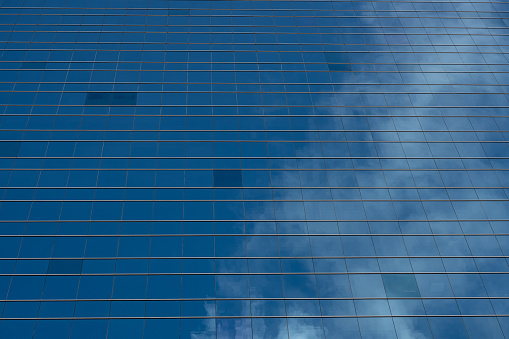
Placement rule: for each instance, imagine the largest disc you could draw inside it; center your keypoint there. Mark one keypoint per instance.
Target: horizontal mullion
(263, 106)
(251, 26)
(229, 273)
(236, 9)
(197, 20)
(265, 169)
(247, 299)
(189, 48)
(230, 235)
(190, 45)
(264, 317)
(260, 130)
(243, 141)
(149, 43)
(131, 12)
(259, 257)
(274, 92)
(245, 220)
(254, 187)
(278, 92)
(13, 43)
(268, 84)
(244, 158)
(212, 62)
(149, 62)
(260, 30)
(247, 200)
(185, 91)
(257, 116)
(265, 83)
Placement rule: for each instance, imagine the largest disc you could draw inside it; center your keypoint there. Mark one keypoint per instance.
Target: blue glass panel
(227, 169)
(400, 285)
(65, 266)
(227, 178)
(9, 149)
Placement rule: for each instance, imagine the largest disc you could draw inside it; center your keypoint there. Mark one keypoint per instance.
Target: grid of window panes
(254, 169)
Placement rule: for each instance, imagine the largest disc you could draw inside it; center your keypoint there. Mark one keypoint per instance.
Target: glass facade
(254, 169)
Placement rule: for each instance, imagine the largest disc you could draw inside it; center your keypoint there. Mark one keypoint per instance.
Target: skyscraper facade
(254, 169)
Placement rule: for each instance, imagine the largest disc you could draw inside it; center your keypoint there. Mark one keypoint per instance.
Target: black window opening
(111, 99)
(227, 178)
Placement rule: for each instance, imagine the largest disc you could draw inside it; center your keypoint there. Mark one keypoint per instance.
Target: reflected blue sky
(253, 169)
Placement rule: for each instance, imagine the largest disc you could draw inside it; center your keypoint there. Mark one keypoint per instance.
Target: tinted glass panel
(254, 169)
(400, 285)
(65, 266)
(9, 149)
(114, 99)
(33, 65)
(227, 178)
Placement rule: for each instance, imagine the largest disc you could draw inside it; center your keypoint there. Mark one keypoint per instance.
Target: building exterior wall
(254, 169)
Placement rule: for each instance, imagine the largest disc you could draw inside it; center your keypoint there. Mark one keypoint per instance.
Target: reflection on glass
(254, 169)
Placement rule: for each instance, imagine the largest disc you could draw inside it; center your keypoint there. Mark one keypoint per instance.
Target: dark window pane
(339, 67)
(94, 98)
(227, 178)
(113, 99)
(65, 266)
(124, 99)
(33, 65)
(9, 149)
